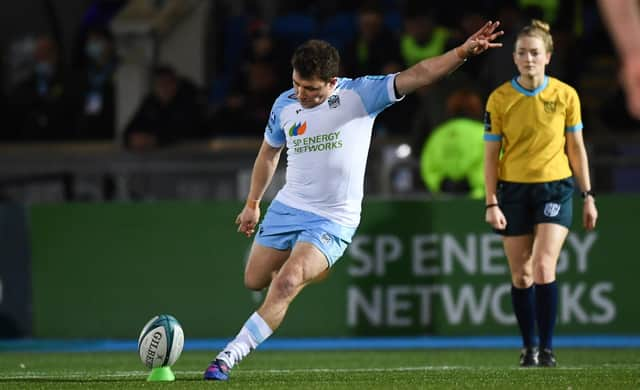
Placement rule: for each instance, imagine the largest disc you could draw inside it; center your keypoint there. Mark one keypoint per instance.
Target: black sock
(523, 301)
(546, 312)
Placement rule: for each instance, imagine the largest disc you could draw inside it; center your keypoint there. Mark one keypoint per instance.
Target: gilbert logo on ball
(161, 341)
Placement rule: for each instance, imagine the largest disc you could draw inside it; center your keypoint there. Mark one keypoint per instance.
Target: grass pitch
(423, 369)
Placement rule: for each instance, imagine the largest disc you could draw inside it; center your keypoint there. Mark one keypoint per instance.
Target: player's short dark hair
(316, 59)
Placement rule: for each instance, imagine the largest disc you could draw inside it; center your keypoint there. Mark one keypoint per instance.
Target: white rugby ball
(161, 341)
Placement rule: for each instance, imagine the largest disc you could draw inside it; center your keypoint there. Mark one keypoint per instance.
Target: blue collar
(529, 92)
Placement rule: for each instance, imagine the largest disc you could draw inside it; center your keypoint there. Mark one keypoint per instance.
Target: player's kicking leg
(305, 263)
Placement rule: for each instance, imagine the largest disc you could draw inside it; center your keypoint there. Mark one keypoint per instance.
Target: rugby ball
(161, 341)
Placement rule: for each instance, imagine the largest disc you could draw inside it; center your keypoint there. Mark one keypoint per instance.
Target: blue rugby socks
(546, 312)
(523, 301)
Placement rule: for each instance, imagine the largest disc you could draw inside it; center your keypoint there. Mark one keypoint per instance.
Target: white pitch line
(142, 374)
(125, 374)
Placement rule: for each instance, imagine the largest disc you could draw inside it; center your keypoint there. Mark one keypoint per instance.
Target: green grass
(423, 369)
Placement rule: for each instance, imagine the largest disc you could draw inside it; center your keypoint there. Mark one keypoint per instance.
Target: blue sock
(546, 312)
(523, 301)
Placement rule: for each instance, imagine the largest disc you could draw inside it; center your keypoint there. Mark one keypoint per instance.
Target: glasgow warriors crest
(334, 101)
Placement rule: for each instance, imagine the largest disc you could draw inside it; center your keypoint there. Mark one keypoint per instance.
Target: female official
(534, 156)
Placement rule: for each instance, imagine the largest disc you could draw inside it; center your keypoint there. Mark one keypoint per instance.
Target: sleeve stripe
(492, 137)
(272, 142)
(577, 127)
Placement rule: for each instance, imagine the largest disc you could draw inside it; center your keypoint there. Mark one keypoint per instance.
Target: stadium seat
(339, 29)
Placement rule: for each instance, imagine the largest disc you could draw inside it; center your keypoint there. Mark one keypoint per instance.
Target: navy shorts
(525, 205)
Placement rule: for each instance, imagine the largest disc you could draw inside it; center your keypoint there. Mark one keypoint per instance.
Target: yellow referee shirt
(531, 125)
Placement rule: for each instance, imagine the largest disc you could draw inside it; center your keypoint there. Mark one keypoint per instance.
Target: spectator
(422, 38)
(170, 113)
(375, 49)
(95, 92)
(452, 158)
(263, 47)
(500, 62)
(470, 20)
(40, 106)
(546, 10)
(246, 109)
(96, 16)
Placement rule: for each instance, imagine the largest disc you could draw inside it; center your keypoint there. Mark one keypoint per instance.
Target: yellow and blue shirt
(531, 125)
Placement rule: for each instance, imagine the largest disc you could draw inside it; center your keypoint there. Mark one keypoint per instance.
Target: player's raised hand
(482, 40)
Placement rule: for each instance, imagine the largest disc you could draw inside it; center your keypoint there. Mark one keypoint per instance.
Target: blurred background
(130, 129)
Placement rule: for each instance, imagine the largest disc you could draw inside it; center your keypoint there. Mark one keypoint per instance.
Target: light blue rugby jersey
(328, 145)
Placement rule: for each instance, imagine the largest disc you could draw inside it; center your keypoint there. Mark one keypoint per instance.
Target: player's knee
(522, 279)
(545, 271)
(286, 285)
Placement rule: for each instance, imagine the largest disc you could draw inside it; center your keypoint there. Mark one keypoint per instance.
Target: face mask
(95, 50)
(44, 69)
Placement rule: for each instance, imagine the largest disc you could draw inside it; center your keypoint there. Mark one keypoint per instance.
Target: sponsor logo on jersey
(551, 209)
(297, 129)
(316, 143)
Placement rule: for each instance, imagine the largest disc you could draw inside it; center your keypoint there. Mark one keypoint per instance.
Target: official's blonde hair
(540, 29)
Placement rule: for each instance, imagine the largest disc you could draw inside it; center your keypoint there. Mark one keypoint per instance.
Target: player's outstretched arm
(431, 69)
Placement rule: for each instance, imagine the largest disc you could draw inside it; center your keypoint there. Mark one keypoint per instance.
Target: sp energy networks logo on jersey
(317, 143)
(297, 129)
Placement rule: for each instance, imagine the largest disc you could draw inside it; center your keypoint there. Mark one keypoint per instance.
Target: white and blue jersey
(328, 145)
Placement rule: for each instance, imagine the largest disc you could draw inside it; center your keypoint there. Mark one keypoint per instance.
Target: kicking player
(325, 122)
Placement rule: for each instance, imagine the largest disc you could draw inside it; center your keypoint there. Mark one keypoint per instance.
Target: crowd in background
(385, 36)
(76, 101)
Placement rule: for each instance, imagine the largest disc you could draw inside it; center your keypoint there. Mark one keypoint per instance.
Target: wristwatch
(590, 193)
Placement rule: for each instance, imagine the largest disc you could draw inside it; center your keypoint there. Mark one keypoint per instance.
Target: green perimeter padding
(414, 268)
